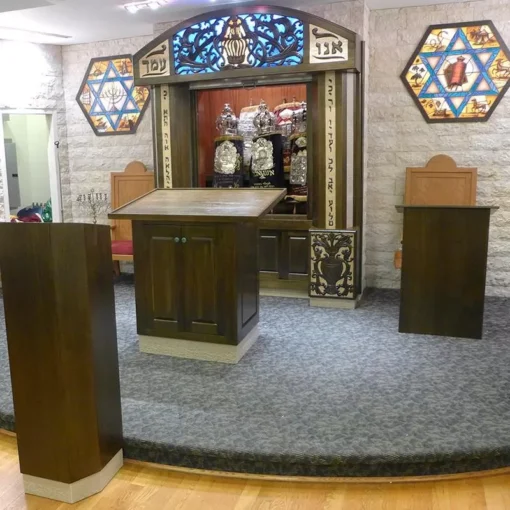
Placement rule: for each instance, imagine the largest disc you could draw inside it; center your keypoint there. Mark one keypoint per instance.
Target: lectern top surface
(201, 204)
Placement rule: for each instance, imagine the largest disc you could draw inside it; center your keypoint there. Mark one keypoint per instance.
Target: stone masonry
(38, 86)
(91, 157)
(398, 137)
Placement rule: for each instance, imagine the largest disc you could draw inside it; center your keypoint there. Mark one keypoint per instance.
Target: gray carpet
(324, 392)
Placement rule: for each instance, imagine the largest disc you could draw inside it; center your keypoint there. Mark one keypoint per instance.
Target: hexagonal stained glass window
(459, 72)
(108, 97)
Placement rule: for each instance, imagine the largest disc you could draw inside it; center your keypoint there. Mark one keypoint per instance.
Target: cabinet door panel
(269, 250)
(158, 259)
(200, 251)
(298, 254)
(164, 278)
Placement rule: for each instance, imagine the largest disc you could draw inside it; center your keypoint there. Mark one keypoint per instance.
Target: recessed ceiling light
(134, 7)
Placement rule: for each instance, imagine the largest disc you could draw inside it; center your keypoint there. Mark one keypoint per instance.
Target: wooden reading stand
(440, 182)
(127, 186)
(197, 267)
(445, 247)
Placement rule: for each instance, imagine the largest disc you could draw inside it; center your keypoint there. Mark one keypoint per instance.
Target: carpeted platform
(324, 392)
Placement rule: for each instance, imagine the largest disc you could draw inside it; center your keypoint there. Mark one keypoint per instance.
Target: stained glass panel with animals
(459, 72)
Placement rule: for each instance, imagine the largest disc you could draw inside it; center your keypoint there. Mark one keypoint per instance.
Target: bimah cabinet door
(202, 263)
(158, 265)
(177, 270)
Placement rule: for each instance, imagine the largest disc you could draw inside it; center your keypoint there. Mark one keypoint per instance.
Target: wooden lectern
(444, 269)
(197, 270)
(62, 341)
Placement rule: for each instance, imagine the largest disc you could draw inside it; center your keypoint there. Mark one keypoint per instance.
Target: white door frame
(53, 163)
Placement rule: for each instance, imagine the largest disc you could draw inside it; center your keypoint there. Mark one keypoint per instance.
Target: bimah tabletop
(201, 204)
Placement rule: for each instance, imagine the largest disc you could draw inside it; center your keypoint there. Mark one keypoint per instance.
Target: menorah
(95, 204)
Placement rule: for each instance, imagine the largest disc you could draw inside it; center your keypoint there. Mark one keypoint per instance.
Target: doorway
(28, 162)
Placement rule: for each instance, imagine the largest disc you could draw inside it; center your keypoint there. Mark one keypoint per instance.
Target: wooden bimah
(444, 265)
(196, 255)
(62, 342)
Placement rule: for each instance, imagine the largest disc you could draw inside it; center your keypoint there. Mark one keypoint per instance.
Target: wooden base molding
(204, 351)
(285, 293)
(340, 304)
(77, 491)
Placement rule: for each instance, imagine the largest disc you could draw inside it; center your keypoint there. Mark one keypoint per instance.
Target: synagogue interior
(254, 255)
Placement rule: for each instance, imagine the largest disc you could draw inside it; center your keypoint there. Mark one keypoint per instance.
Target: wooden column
(332, 240)
(61, 335)
(173, 140)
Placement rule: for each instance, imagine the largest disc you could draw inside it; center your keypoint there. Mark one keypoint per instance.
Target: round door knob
(184, 240)
(176, 239)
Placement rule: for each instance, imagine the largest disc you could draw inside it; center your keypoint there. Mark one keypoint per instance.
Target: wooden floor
(146, 488)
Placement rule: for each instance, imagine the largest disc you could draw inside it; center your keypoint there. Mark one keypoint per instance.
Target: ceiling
(80, 21)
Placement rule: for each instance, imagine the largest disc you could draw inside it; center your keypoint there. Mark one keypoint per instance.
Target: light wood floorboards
(139, 487)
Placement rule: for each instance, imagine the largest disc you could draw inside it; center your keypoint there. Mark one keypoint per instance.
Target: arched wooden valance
(247, 42)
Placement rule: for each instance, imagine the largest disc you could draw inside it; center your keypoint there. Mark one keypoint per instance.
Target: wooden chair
(126, 186)
(441, 182)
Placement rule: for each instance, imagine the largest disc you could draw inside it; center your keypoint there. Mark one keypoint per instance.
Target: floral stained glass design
(237, 42)
(109, 98)
(459, 72)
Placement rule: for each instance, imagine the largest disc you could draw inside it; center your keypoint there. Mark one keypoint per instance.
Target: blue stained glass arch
(237, 42)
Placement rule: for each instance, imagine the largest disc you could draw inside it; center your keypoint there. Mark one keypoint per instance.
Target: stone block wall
(38, 86)
(399, 137)
(349, 14)
(91, 157)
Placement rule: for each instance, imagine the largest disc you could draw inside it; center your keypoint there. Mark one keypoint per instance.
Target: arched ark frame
(247, 42)
(252, 45)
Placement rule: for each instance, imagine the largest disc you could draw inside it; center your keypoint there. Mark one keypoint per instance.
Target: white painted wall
(31, 134)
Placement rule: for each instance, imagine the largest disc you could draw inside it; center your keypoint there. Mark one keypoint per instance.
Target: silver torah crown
(264, 121)
(227, 122)
(299, 119)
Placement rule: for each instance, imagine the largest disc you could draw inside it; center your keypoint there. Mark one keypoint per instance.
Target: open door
(29, 162)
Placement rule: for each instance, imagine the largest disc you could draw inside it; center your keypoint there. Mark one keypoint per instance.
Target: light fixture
(134, 7)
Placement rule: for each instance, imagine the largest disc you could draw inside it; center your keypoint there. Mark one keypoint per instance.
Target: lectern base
(74, 492)
(204, 351)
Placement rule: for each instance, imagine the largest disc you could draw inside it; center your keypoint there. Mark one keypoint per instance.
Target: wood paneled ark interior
(210, 103)
(138, 486)
(283, 249)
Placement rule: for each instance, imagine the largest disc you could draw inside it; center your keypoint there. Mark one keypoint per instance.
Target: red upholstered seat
(122, 247)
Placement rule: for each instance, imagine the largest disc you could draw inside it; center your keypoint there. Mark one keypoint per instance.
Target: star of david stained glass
(108, 97)
(459, 72)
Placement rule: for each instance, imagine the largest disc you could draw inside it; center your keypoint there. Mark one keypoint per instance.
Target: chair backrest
(127, 186)
(441, 182)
